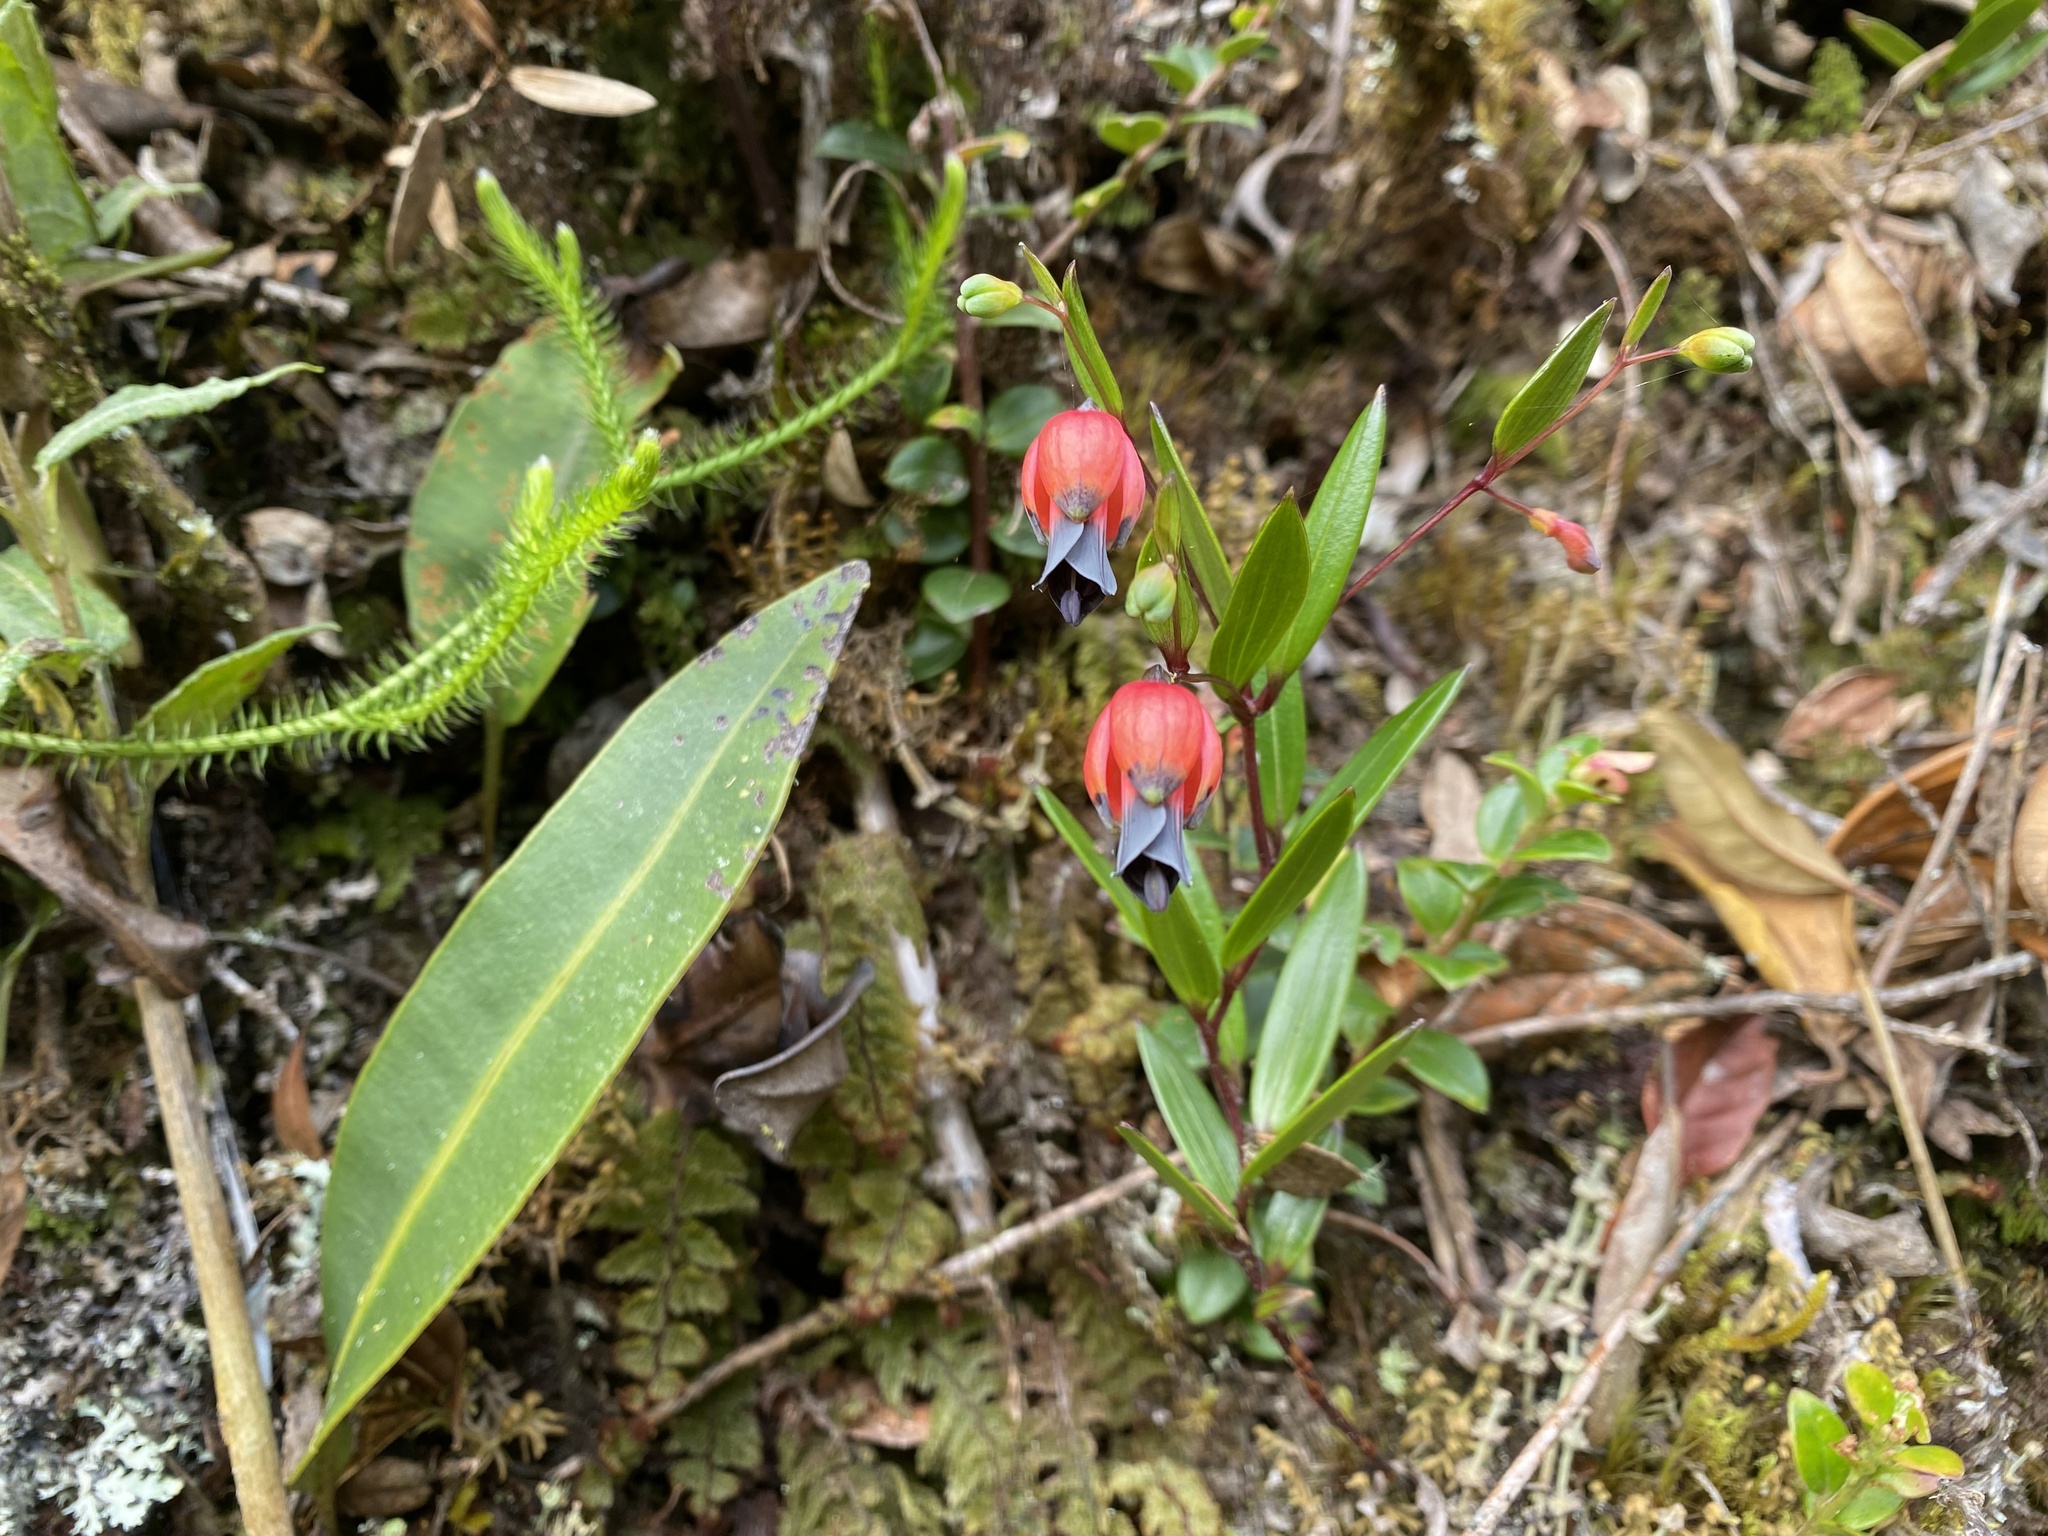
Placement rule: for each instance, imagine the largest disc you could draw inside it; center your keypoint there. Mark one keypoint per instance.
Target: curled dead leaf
(1185, 254)
(2030, 845)
(1856, 707)
(291, 1107)
(729, 303)
(36, 833)
(1867, 316)
(417, 185)
(841, 473)
(1593, 934)
(577, 93)
(1634, 1237)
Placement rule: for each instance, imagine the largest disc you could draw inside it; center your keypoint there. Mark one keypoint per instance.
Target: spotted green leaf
(549, 977)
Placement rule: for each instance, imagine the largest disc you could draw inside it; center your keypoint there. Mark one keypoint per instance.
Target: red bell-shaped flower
(1153, 761)
(1084, 486)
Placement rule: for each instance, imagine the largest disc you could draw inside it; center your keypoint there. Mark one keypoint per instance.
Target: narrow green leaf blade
(1282, 734)
(1882, 38)
(1369, 770)
(1556, 384)
(1999, 69)
(1645, 316)
(1266, 598)
(1191, 1113)
(1450, 1066)
(1301, 867)
(1076, 837)
(1336, 522)
(1989, 27)
(1308, 1003)
(1198, 1199)
(1333, 1103)
(34, 159)
(134, 404)
(547, 979)
(1200, 551)
(1181, 945)
(1084, 350)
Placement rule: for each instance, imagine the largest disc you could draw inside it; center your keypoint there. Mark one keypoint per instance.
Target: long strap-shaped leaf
(542, 987)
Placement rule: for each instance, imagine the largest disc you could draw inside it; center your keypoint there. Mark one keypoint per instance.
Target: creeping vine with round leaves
(1259, 1131)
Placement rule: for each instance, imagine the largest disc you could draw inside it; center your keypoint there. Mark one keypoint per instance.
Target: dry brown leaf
(2030, 845)
(1956, 1119)
(1184, 254)
(1866, 318)
(1634, 1239)
(1798, 943)
(443, 220)
(729, 303)
(412, 204)
(1748, 837)
(291, 1107)
(479, 22)
(842, 472)
(1592, 934)
(893, 1429)
(1725, 1069)
(13, 1199)
(1450, 805)
(35, 832)
(577, 93)
(1857, 707)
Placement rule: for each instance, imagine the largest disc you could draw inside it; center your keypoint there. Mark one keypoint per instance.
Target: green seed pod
(985, 296)
(1723, 349)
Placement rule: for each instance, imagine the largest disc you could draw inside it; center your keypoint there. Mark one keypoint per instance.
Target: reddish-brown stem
(1508, 501)
(1221, 1077)
(1495, 468)
(1255, 797)
(1312, 1384)
(968, 363)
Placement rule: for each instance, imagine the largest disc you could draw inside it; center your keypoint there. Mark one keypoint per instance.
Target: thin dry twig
(834, 1315)
(1970, 544)
(1369, 1228)
(1495, 1508)
(1543, 1026)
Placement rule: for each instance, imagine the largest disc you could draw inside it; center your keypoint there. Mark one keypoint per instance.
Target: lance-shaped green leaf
(530, 404)
(1300, 869)
(134, 404)
(1198, 1199)
(1190, 1111)
(1882, 38)
(1308, 1003)
(1194, 540)
(1265, 599)
(1369, 770)
(1999, 70)
(1084, 350)
(33, 157)
(1282, 735)
(547, 979)
(1989, 26)
(1640, 322)
(1332, 1104)
(1182, 946)
(1549, 394)
(208, 696)
(1336, 522)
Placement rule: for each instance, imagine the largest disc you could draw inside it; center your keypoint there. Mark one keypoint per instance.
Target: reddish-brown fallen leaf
(1857, 707)
(1724, 1070)
(1591, 935)
(291, 1107)
(13, 1200)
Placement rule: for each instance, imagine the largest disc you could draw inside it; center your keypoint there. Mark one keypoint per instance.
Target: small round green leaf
(961, 596)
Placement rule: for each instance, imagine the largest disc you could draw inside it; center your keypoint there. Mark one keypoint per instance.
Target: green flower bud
(1724, 349)
(985, 296)
(1152, 595)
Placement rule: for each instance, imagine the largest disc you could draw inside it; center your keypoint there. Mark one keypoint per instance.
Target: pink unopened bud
(1573, 537)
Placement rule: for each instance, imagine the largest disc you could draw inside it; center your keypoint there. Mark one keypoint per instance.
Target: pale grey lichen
(120, 1476)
